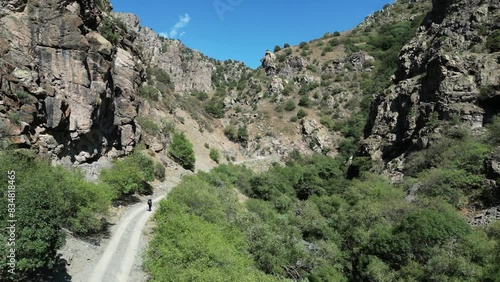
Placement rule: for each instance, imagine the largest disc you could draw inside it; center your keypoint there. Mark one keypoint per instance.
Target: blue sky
(244, 29)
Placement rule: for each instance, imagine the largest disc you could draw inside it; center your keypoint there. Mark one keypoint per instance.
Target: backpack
(150, 202)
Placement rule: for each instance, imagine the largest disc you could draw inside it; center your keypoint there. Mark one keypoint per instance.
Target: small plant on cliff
(107, 28)
(493, 41)
(215, 107)
(24, 97)
(159, 171)
(148, 125)
(181, 150)
(214, 155)
(149, 93)
(494, 131)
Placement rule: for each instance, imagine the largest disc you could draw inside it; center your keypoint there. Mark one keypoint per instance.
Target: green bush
(231, 132)
(304, 101)
(148, 92)
(47, 198)
(129, 175)
(148, 125)
(290, 105)
(301, 114)
(327, 121)
(214, 155)
(25, 97)
(159, 171)
(243, 134)
(162, 76)
(286, 45)
(277, 48)
(200, 95)
(107, 29)
(181, 150)
(494, 131)
(215, 107)
(236, 135)
(493, 41)
(328, 49)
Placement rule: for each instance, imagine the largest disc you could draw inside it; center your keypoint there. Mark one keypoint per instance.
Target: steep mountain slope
(448, 71)
(132, 85)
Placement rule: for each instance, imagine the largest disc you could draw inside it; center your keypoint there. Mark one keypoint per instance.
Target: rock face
(189, 69)
(68, 90)
(442, 74)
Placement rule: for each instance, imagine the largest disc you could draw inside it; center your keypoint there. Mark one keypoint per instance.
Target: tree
(286, 45)
(181, 150)
(277, 48)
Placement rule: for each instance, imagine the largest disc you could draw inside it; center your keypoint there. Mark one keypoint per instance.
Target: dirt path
(120, 257)
(117, 256)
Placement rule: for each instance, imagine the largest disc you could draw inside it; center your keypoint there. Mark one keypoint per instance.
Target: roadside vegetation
(305, 221)
(49, 199)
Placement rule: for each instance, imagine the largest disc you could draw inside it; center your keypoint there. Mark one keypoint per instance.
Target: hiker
(150, 203)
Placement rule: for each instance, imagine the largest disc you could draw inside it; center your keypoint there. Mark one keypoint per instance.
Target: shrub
(129, 175)
(148, 92)
(47, 198)
(277, 48)
(304, 101)
(294, 119)
(328, 49)
(312, 68)
(289, 105)
(301, 114)
(148, 125)
(14, 117)
(243, 134)
(494, 131)
(214, 155)
(286, 45)
(215, 107)
(231, 132)
(162, 76)
(493, 41)
(303, 45)
(336, 34)
(159, 171)
(25, 97)
(200, 95)
(181, 150)
(107, 29)
(327, 121)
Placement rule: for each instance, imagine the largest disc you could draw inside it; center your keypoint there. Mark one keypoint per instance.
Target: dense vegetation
(181, 150)
(306, 221)
(49, 198)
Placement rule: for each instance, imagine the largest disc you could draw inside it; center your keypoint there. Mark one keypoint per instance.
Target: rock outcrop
(66, 90)
(442, 74)
(189, 70)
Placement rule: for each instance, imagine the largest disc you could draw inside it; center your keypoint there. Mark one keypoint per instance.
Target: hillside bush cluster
(306, 222)
(47, 199)
(181, 150)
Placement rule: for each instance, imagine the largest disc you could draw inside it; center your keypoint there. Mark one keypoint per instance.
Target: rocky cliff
(448, 71)
(66, 90)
